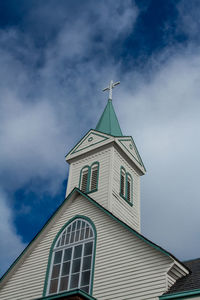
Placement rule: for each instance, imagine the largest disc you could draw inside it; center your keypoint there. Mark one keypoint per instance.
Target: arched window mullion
(70, 270)
(72, 273)
(60, 273)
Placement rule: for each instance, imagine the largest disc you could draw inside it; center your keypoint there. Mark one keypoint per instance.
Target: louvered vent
(122, 183)
(128, 190)
(84, 181)
(94, 178)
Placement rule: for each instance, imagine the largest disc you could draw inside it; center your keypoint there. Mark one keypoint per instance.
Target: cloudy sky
(55, 58)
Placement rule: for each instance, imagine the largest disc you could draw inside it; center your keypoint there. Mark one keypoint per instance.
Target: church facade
(92, 247)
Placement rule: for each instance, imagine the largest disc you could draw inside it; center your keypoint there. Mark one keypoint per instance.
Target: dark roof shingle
(190, 281)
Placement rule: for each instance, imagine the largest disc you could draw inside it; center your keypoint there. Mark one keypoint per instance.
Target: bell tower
(106, 165)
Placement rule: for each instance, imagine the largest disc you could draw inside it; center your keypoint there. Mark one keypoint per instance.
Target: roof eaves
(182, 295)
(78, 143)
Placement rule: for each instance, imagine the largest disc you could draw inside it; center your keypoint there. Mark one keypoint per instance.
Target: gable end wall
(125, 266)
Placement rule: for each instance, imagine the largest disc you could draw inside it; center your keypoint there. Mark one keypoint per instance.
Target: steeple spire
(108, 122)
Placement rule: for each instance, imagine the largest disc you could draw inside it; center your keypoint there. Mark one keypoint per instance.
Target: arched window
(85, 178)
(122, 182)
(126, 186)
(72, 258)
(89, 177)
(94, 176)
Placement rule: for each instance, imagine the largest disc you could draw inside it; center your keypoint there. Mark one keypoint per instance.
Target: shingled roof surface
(189, 282)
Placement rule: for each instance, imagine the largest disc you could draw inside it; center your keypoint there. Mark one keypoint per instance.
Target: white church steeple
(107, 166)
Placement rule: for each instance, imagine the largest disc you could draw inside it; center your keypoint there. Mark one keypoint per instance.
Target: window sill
(92, 191)
(89, 191)
(74, 294)
(130, 203)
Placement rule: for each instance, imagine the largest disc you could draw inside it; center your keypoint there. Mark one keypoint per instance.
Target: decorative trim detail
(54, 242)
(87, 137)
(135, 148)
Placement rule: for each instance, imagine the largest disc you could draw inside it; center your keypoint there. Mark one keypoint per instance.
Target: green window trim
(88, 177)
(88, 190)
(125, 195)
(52, 248)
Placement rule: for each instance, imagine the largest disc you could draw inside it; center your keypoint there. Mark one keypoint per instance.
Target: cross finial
(110, 87)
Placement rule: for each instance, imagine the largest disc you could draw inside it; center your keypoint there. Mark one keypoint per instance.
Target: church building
(92, 247)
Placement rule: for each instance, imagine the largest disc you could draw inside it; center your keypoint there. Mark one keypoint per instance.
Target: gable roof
(129, 145)
(89, 141)
(73, 193)
(94, 139)
(108, 122)
(189, 283)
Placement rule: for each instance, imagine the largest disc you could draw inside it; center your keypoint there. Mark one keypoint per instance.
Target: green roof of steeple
(108, 122)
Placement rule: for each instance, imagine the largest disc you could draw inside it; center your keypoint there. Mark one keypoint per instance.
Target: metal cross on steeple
(110, 87)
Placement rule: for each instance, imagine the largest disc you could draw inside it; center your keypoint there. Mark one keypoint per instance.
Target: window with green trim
(126, 186)
(85, 178)
(89, 177)
(72, 258)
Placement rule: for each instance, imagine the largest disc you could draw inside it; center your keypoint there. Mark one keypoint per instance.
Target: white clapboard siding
(126, 267)
(103, 157)
(110, 157)
(120, 208)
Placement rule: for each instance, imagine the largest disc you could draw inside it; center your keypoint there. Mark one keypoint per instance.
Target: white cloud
(46, 100)
(163, 117)
(39, 114)
(45, 110)
(11, 242)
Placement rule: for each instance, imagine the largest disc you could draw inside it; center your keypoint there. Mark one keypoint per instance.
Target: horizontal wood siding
(125, 266)
(103, 157)
(120, 208)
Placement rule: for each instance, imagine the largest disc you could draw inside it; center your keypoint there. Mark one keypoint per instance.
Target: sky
(55, 59)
